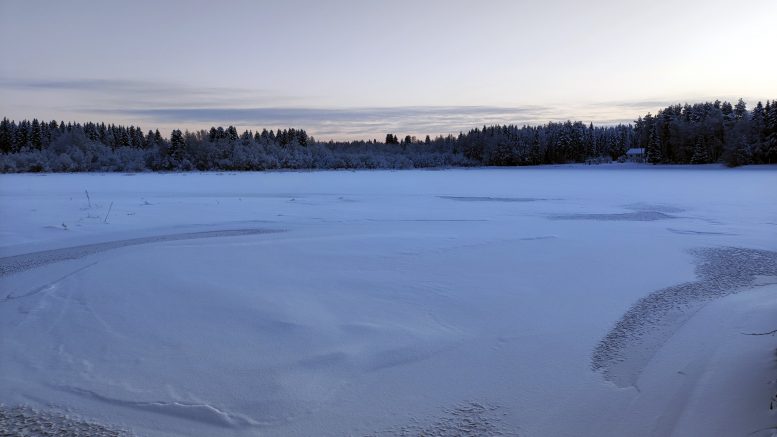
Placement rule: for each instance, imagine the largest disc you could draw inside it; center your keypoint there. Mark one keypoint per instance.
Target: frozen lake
(553, 301)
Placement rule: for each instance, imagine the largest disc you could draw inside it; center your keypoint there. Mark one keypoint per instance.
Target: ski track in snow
(625, 351)
(27, 261)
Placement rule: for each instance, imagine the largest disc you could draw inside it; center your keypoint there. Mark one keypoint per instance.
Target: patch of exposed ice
(636, 216)
(27, 261)
(491, 199)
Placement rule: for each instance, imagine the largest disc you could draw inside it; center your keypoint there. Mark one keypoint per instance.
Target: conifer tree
(6, 136)
(740, 110)
(22, 136)
(700, 155)
(177, 144)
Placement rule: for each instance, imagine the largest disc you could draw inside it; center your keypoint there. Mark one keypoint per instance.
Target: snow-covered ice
(554, 301)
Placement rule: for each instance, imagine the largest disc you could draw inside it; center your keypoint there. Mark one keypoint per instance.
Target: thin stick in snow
(88, 199)
(109, 213)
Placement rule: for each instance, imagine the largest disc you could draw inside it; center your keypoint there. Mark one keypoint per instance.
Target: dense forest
(681, 134)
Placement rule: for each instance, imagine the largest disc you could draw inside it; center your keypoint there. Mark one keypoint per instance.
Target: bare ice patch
(634, 216)
(653, 207)
(491, 199)
(27, 261)
(639, 212)
(695, 232)
(625, 351)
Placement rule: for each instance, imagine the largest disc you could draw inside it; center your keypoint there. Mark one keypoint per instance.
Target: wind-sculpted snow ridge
(25, 421)
(644, 328)
(27, 261)
(469, 419)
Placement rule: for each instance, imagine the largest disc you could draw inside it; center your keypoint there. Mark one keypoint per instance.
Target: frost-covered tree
(177, 144)
(36, 136)
(231, 134)
(740, 110)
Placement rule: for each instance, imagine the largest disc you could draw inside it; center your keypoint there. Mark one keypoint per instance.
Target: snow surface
(565, 301)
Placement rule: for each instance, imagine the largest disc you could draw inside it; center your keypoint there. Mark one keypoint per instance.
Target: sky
(357, 69)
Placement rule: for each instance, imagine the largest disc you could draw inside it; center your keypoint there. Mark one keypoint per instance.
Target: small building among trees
(635, 154)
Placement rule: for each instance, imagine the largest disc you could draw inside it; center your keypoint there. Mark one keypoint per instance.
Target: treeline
(699, 133)
(710, 132)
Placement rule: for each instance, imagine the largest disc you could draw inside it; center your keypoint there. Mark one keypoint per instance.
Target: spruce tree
(22, 135)
(232, 134)
(740, 110)
(700, 155)
(36, 139)
(6, 136)
(177, 144)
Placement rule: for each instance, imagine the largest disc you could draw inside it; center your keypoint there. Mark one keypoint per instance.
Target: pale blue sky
(357, 69)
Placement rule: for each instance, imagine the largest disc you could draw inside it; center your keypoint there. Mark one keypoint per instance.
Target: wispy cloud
(381, 114)
(344, 122)
(170, 105)
(148, 94)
